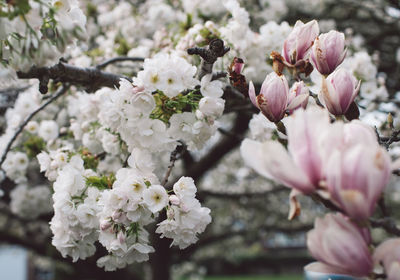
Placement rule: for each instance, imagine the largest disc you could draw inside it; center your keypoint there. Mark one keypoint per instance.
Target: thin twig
(327, 203)
(60, 92)
(393, 138)
(174, 156)
(204, 193)
(388, 224)
(386, 141)
(382, 206)
(313, 95)
(118, 59)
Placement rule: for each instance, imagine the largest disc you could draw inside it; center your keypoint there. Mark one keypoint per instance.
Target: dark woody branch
(388, 224)
(239, 195)
(91, 78)
(213, 239)
(218, 151)
(209, 55)
(119, 59)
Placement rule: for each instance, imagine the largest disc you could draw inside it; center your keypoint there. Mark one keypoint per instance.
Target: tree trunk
(160, 260)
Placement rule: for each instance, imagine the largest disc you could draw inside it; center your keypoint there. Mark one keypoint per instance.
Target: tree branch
(209, 55)
(388, 224)
(119, 59)
(60, 92)
(179, 150)
(206, 193)
(91, 78)
(219, 150)
(206, 241)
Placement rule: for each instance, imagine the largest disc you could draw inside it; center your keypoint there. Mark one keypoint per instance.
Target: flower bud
(212, 106)
(297, 45)
(238, 65)
(121, 237)
(328, 52)
(174, 199)
(273, 96)
(104, 225)
(338, 91)
(116, 215)
(341, 245)
(298, 96)
(388, 254)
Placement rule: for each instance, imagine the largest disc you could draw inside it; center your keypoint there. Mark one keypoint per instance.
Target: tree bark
(161, 259)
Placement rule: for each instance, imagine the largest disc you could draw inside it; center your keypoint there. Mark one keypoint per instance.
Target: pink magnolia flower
(338, 91)
(298, 96)
(340, 244)
(272, 100)
(388, 254)
(301, 167)
(357, 174)
(328, 52)
(275, 98)
(297, 45)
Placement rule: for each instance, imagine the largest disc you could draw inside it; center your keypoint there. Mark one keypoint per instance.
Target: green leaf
(102, 183)
(166, 107)
(34, 145)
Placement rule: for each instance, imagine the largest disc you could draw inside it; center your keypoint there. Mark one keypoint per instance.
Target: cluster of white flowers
(25, 42)
(30, 202)
(185, 216)
(237, 29)
(363, 67)
(169, 73)
(126, 209)
(15, 166)
(205, 7)
(260, 129)
(26, 102)
(116, 214)
(75, 223)
(52, 162)
(272, 9)
(126, 112)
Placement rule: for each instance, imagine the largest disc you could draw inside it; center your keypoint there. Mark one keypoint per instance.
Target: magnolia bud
(328, 52)
(297, 45)
(388, 254)
(338, 91)
(238, 65)
(273, 96)
(298, 96)
(341, 245)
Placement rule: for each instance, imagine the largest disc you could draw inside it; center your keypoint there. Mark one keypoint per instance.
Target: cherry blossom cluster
(37, 32)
